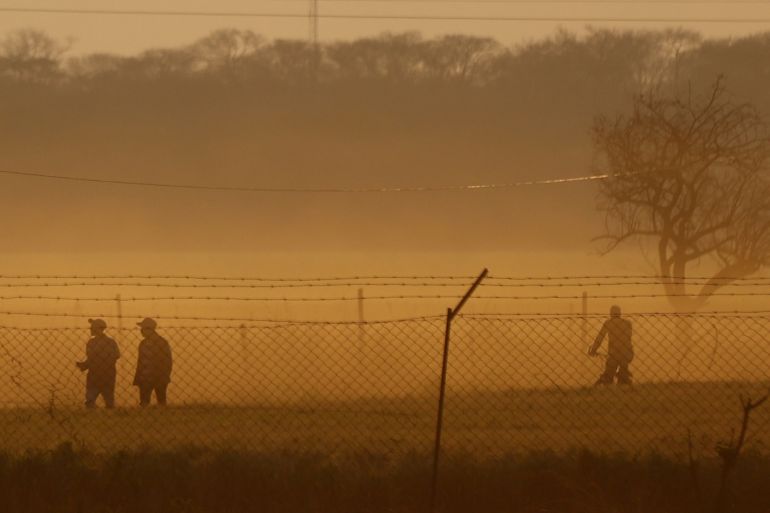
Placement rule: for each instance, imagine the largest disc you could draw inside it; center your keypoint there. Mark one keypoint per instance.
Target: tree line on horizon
(601, 63)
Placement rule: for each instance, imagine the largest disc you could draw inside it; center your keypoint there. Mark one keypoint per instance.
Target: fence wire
(515, 384)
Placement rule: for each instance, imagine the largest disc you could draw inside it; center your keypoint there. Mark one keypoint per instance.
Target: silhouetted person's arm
(85, 364)
(166, 361)
(598, 340)
(115, 351)
(140, 363)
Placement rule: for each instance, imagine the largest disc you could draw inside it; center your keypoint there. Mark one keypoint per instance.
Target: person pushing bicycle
(620, 351)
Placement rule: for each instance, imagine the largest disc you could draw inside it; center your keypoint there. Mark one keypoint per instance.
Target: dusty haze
(387, 111)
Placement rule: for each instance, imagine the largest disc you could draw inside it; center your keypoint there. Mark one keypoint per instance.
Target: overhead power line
(308, 190)
(541, 2)
(530, 2)
(404, 17)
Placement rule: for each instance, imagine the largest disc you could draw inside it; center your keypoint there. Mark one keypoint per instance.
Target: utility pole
(313, 23)
(313, 39)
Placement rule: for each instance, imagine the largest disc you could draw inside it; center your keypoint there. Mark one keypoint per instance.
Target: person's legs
(91, 394)
(160, 394)
(109, 396)
(145, 392)
(608, 376)
(624, 375)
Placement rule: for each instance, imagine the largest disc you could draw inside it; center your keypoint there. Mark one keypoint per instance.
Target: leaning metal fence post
(450, 315)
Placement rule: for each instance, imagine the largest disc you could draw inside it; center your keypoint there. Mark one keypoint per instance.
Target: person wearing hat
(101, 354)
(153, 367)
(620, 351)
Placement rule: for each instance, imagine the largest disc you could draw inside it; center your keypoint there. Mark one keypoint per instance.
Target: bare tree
(689, 173)
(460, 58)
(394, 58)
(227, 51)
(291, 62)
(32, 56)
(159, 64)
(641, 60)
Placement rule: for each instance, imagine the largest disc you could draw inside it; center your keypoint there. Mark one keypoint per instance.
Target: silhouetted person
(101, 354)
(620, 351)
(153, 367)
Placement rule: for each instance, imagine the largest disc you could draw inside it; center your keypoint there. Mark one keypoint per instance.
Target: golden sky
(129, 34)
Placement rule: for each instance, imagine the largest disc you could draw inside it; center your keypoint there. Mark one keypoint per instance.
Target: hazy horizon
(131, 34)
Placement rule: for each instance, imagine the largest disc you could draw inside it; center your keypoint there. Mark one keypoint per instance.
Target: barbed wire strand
(298, 281)
(754, 283)
(628, 277)
(106, 315)
(219, 286)
(351, 278)
(604, 315)
(373, 297)
(373, 322)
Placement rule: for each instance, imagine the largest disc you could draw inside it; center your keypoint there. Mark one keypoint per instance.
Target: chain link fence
(515, 384)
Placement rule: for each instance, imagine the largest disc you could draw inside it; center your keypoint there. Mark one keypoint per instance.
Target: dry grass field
(287, 444)
(638, 420)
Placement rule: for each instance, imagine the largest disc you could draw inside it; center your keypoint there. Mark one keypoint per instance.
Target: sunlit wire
(326, 190)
